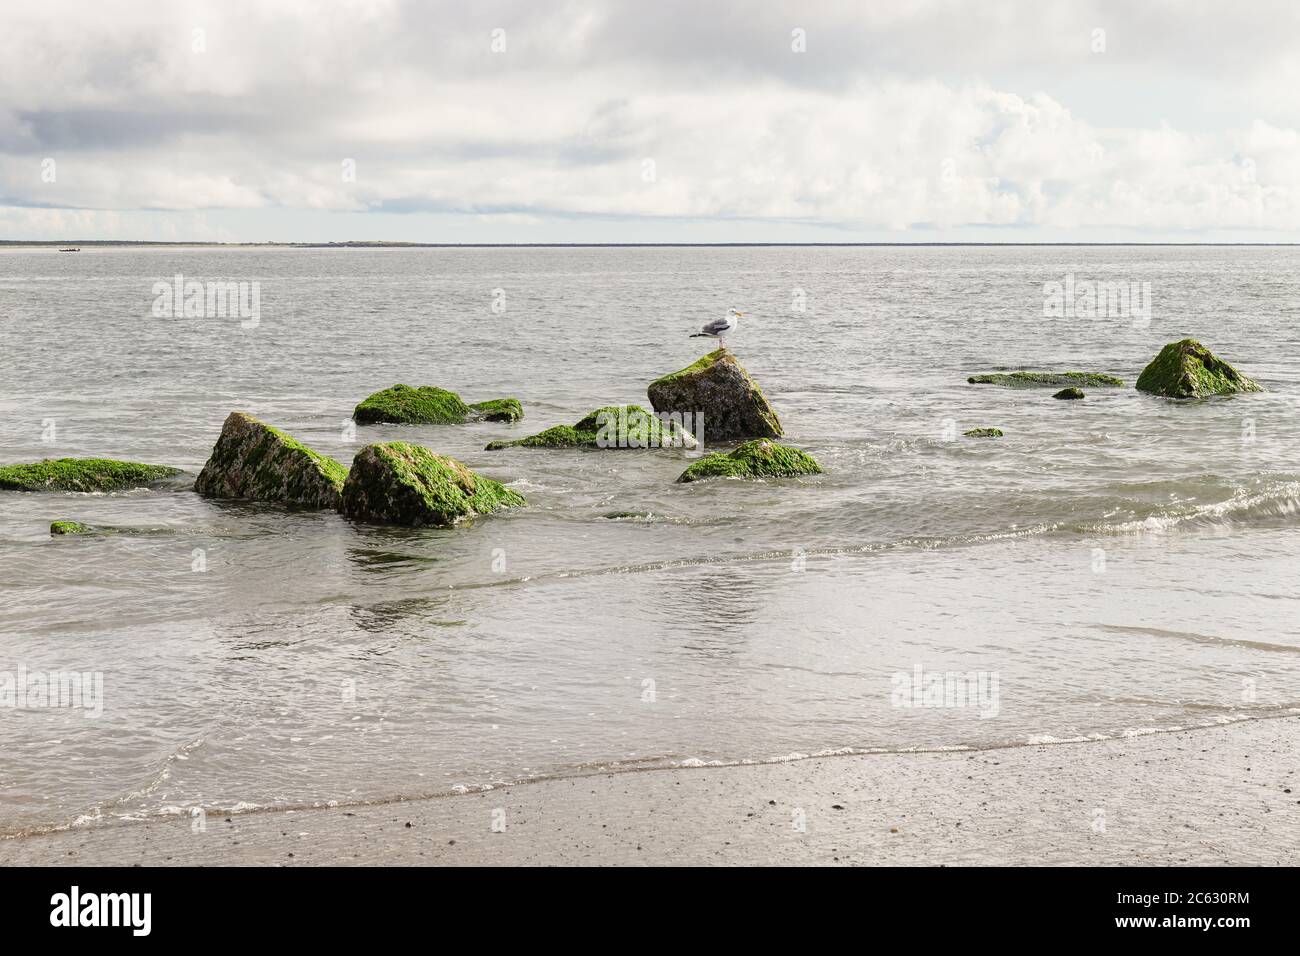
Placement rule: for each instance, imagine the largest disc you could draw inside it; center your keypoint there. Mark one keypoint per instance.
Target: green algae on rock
(77, 528)
(498, 410)
(719, 395)
(427, 405)
(1187, 369)
(400, 483)
(759, 458)
(1046, 379)
(254, 461)
(615, 426)
(1068, 393)
(404, 405)
(82, 474)
(984, 433)
(74, 527)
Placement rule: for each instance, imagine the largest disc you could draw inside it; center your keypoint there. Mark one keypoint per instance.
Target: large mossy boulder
(82, 474)
(983, 433)
(1187, 369)
(616, 426)
(400, 483)
(427, 405)
(254, 461)
(759, 458)
(718, 388)
(1046, 379)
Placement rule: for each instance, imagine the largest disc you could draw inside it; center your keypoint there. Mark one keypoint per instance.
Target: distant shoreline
(382, 244)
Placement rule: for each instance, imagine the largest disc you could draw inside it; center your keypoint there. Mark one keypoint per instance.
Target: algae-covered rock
(404, 405)
(984, 433)
(498, 410)
(252, 460)
(427, 405)
(616, 426)
(400, 483)
(1187, 369)
(718, 388)
(74, 527)
(1046, 379)
(1069, 393)
(82, 474)
(77, 528)
(759, 458)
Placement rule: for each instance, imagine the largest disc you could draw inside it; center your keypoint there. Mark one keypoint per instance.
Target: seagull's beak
(741, 313)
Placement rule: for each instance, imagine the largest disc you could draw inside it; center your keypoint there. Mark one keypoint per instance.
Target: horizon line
(390, 244)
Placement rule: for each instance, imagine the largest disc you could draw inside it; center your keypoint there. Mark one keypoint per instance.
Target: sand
(1223, 795)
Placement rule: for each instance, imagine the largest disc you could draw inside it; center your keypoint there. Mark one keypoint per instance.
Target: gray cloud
(934, 114)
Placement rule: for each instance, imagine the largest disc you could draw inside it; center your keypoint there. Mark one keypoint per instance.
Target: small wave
(1201, 638)
(1277, 501)
(658, 517)
(1281, 501)
(99, 812)
(1243, 511)
(1046, 740)
(523, 484)
(648, 764)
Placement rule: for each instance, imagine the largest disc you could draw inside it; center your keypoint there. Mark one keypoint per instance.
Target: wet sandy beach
(1225, 795)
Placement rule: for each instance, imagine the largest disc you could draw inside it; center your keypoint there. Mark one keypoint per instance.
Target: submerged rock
(616, 426)
(427, 405)
(984, 433)
(718, 388)
(252, 460)
(1046, 379)
(74, 527)
(77, 528)
(1187, 369)
(1069, 393)
(759, 458)
(400, 483)
(498, 410)
(82, 474)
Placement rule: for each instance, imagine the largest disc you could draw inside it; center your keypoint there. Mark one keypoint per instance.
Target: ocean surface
(1119, 565)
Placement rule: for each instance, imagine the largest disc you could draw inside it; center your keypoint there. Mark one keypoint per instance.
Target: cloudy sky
(672, 120)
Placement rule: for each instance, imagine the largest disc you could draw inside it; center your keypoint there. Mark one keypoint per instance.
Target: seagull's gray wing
(716, 326)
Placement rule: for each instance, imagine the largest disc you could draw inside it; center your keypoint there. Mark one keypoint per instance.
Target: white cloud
(898, 118)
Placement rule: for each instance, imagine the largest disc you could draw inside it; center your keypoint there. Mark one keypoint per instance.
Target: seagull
(720, 327)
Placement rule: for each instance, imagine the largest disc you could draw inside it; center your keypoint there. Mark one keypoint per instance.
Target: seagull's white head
(736, 313)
